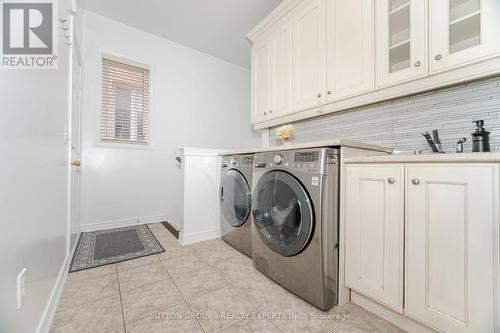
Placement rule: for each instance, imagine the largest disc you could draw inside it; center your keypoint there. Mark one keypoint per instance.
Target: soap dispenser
(480, 138)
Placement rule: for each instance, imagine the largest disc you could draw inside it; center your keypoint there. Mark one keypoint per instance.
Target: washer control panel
(311, 160)
(242, 161)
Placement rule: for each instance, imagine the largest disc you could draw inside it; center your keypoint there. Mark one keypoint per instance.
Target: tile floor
(205, 287)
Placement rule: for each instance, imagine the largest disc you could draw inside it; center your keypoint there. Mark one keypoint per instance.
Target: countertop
(429, 158)
(328, 143)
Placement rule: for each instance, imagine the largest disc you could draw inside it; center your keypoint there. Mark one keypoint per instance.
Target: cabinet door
(401, 30)
(308, 54)
(350, 48)
(374, 232)
(451, 221)
(260, 81)
(462, 32)
(281, 70)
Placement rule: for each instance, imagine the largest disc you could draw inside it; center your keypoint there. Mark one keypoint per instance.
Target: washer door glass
(235, 197)
(282, 213)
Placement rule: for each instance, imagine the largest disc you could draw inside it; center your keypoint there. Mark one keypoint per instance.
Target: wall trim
(55, 295)
(122, 223)
(199, 236)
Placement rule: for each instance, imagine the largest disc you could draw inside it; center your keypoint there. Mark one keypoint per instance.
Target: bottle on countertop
(480, 138)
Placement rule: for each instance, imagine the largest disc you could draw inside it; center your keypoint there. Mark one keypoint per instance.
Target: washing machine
(295, 221)
(236, 201)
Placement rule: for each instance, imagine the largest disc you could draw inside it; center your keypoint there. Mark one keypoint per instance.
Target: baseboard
(122, 223)
(199, 236)
(394, 318)
(50, 309)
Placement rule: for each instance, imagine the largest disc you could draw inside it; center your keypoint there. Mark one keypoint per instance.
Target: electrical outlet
(20, 287)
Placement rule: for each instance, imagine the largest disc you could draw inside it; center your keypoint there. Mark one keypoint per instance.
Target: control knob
(233, 161)
(278, 159)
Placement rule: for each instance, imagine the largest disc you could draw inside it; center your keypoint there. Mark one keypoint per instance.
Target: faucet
(460, 145)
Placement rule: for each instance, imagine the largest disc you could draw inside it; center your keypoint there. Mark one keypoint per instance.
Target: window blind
(125, 102)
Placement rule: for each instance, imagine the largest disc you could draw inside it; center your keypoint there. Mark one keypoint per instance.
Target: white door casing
(76, 100)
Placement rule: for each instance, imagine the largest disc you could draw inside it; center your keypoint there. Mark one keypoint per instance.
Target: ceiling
(216, 27)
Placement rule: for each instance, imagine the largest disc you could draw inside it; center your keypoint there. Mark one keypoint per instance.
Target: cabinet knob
(270, 111)
(319, 95)
(415, 181)
(438, 57)
(265, 113)
(417, 64)
(329, 92)
(391, 180)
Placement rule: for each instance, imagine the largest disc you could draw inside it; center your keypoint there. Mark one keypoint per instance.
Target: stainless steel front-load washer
(295, 221)
(236, 201)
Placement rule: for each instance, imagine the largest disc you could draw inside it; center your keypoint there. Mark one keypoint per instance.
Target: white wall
(196, 101)
(34, 174)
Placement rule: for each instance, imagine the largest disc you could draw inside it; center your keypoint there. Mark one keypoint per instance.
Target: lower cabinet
(451, 217)
(374, 232)
(449, 245)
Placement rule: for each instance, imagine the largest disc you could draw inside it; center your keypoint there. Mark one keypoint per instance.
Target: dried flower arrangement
(285, 132)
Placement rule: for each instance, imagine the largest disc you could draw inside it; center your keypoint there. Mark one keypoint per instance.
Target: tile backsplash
(398, 123)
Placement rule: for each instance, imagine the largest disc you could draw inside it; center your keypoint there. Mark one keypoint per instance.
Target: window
(125, 102)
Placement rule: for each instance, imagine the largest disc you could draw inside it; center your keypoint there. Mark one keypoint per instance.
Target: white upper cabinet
(350, 48)
(401, 30)
(260, 81)
(308, 54)
(375, 232)
(451, 231)
(462, 32)
(280, 42)
(312, 57)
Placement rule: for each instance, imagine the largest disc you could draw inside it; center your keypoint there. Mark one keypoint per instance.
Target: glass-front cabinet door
(401, 40)
(282, 213)
(463, 32)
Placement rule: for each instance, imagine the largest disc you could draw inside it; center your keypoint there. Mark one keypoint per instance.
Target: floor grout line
(185, 300)
(121, 301)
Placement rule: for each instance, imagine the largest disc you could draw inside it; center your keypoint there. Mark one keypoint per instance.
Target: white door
(260, 80)
(280, 42)
(401, 40)
(462, 32)
(308, 55)
(451, 221)
(76, 91)
(350, 48)
(375, 232)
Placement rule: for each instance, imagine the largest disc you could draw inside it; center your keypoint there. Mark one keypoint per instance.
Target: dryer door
(282, 213)
(235, 198)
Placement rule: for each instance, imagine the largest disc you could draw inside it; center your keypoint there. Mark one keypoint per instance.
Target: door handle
(260, 164)
(76, 163)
